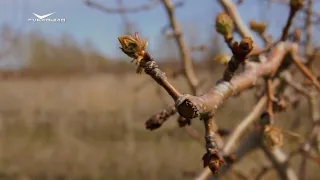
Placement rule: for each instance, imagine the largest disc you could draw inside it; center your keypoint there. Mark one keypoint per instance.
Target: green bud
(258, 27)
(224, 25)
(222, 58)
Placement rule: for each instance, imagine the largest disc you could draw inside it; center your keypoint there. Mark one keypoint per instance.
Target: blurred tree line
(64, 54)
(39, 52)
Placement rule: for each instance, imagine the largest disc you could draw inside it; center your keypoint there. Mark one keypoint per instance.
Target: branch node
(186, 108)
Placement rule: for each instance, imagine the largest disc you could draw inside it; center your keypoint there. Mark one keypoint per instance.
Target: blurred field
(92, 128)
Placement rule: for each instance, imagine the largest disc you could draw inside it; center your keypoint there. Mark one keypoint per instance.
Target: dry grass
(93, 128)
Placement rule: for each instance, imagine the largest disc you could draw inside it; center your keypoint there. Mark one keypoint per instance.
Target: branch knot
(186, 108)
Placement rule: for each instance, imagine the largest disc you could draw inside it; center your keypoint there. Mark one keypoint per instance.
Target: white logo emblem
(44, 18)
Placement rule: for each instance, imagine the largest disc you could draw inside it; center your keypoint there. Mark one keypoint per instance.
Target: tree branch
(184, 53)
(279, 161)
(108, 10)
(306, 72)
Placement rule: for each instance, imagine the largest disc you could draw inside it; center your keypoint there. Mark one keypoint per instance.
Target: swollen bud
(224, 25)
(134, 47)
(246, 44)
(272, 137)
(258, 27)
(222, 58)
(296, 4)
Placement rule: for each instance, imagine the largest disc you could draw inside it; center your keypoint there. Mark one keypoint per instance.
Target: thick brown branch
(191, 105)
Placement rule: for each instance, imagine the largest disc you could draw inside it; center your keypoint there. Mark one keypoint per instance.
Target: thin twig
(213, 158)
(306, 72)
(270, 99)
(289, 21)
(184, 53)
(287, 77)
(108, 10)
(306, 148)
(308, 25)
(245, 123)
(279, 161)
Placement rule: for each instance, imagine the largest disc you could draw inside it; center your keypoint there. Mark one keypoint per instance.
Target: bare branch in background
(306, 72)
(308, 26)
(105, 9)
(184, 53)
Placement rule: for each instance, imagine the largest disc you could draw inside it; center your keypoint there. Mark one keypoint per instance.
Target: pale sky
(86, 23)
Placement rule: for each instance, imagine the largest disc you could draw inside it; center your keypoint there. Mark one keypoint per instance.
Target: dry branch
(190, 106)
(279, 161)
(158, 119)
(183, 49)
(312, 139)
(244, 32)
(308, 25)
(245, 123)
(315, 116)
(306, 72)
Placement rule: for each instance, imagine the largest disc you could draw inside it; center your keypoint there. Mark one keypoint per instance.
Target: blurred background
(72, 107)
